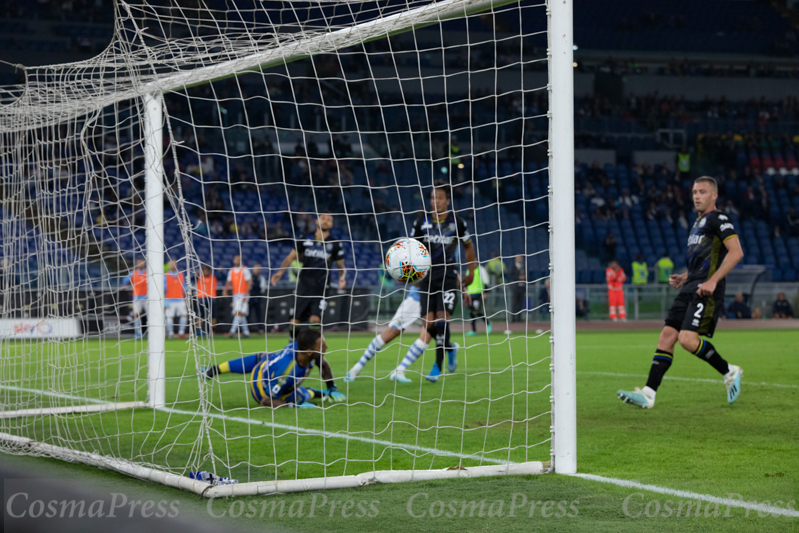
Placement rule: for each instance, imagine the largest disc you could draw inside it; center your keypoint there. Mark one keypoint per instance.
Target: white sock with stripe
(414, 352)
(375, 346)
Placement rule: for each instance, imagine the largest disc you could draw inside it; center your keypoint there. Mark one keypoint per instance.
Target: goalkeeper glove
(334, 395)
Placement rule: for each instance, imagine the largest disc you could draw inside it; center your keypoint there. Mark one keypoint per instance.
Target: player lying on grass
(277, 377)
(407, 313)
(713, 250)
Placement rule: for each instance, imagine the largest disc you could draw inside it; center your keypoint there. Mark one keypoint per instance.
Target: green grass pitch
(493, 409)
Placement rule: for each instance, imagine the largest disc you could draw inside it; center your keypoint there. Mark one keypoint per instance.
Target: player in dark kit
(441, 232)
(317, 253)
(713, 250)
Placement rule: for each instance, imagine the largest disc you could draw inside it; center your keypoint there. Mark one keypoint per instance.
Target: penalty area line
(728, 502)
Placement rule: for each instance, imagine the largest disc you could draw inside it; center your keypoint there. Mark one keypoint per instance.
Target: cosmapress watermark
(27, 505)
(638, 505)
(421, 505)
(316, 506)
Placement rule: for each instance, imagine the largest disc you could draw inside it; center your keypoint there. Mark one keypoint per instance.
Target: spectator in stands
(588, 189)
(792, 223)
(544, 298)
(201, 227)
(232, 228)
(277, 232)
(342, 147)
(257, 302)
(578, 216)
(312, 148)
(652, 212)
(595, 174)
(730, 207)
(518, 279)
(626, 199)
(597, 202)
(682, 220)
(782, 307)
(757, 313)
(610, 247)
(738, 308)
(580, 308)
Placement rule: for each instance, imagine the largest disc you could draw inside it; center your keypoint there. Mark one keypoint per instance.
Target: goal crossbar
(33, 112)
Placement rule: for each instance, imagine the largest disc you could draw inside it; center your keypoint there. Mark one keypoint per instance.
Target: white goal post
(114, 108)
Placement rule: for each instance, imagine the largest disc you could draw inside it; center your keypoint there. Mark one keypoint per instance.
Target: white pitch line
(330, 434)
(700, 380)
(729, 502)
(307, 431)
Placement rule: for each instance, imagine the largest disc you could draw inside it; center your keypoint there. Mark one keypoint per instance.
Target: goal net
(151, 194)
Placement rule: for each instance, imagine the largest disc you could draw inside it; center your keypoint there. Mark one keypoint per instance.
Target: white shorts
(175, 308)
(139, 305)
(240, 304)
(407, 313)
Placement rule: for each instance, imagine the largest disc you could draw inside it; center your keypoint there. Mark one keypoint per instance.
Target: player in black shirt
(317, 253)
(442, 232)
(713, 250)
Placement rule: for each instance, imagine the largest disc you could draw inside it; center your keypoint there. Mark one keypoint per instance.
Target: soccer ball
(407, 261)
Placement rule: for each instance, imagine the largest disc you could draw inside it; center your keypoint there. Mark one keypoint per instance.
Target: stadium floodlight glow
(199, 139)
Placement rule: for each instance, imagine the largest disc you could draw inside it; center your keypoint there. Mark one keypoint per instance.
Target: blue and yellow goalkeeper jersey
(277, 374)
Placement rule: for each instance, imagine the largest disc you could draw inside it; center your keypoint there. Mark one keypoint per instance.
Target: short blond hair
(708, 179)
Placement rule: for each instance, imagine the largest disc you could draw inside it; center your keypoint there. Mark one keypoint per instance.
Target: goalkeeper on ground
(277, 377)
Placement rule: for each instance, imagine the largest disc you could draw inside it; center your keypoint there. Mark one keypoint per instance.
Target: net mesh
(276, 112)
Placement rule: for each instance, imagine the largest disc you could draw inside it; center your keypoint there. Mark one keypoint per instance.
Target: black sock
(441, 343)
(474, 320)
(708, 352)
(293, 331)
(660, 364)
(212, 371)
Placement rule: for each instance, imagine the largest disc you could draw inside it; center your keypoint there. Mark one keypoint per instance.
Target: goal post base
(374, 478)
(14, 443)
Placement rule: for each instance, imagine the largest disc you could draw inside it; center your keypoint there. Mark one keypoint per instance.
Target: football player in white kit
(407, 313)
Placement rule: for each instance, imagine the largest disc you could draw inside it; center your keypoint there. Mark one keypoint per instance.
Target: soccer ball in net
(407, 261)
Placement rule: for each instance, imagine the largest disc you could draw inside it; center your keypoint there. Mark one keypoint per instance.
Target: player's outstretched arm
(332, 392)
(283, 266)
(734, 256)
